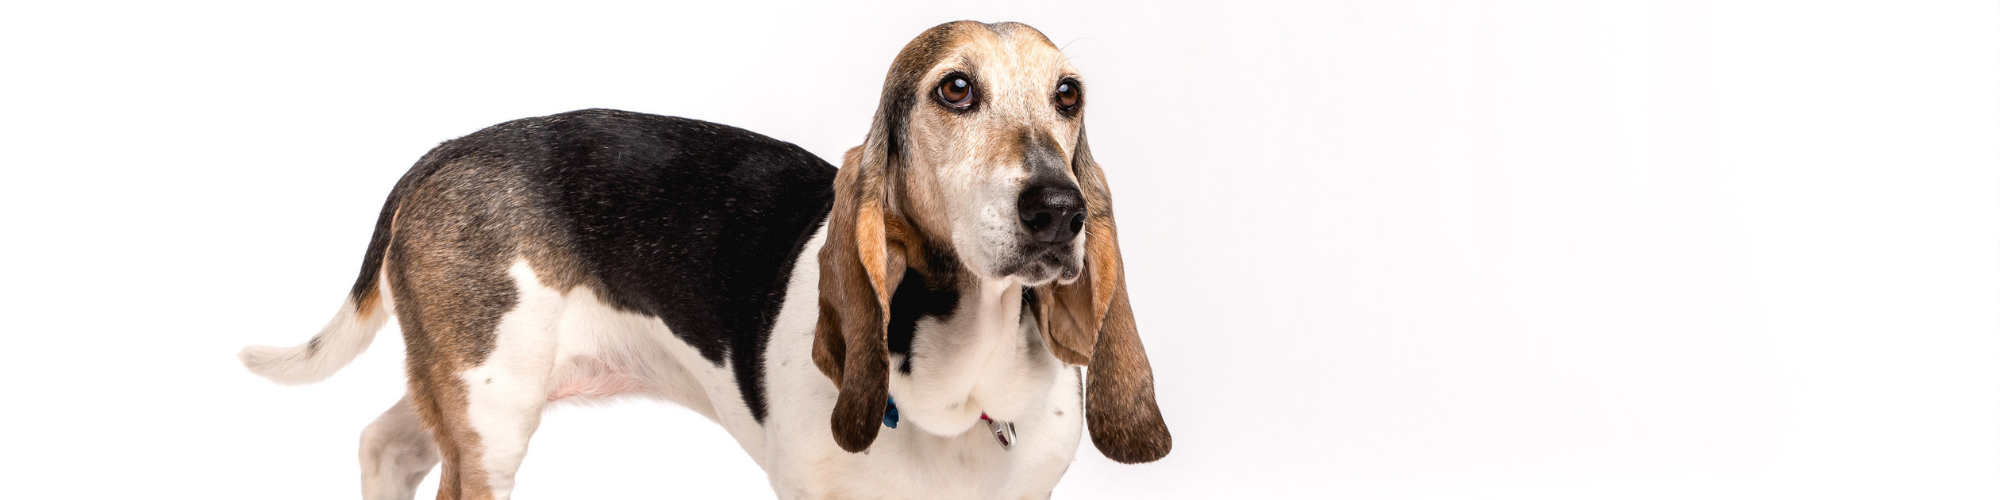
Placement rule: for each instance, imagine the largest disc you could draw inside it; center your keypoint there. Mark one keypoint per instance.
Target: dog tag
(1003, 431)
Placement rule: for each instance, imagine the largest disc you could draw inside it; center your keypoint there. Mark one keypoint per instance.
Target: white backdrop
(1377, 249)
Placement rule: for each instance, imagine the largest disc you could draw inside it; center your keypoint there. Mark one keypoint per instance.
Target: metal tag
(1003, 431)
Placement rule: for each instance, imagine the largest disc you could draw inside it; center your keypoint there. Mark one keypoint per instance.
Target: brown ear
(861, 253)
(864, 256)
(1089, 322)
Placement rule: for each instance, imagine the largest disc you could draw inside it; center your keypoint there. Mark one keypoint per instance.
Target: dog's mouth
(1041, 263)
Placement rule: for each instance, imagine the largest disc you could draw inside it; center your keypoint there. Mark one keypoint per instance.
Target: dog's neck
(978, 355)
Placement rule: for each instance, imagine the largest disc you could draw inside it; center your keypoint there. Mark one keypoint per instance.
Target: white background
(1376, 249)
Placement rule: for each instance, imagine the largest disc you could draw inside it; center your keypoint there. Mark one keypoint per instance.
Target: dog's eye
(1068, 94)
(956, 90)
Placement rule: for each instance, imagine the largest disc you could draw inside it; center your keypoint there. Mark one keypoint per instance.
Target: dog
(910, 325)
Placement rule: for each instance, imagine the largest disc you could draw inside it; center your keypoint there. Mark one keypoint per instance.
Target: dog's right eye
(956, 91)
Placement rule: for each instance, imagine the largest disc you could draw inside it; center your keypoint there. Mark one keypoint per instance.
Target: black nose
(1052, 213)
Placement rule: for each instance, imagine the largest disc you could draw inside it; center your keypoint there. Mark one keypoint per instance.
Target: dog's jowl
(910, 325)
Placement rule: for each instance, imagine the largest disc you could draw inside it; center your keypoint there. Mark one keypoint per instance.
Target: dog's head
(977, 154)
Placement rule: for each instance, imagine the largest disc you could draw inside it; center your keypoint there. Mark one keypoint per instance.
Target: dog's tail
(364, 312)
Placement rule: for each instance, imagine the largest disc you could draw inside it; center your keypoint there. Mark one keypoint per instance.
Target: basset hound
(910, 325)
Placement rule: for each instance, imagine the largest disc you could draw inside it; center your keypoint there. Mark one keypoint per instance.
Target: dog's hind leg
(504, 407)
(396, 454)
(483, 411)
(479, 325)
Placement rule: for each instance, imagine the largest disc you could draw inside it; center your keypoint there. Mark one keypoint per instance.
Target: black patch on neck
(920, 296)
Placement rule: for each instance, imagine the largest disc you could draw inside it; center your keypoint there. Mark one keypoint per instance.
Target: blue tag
(889, 417)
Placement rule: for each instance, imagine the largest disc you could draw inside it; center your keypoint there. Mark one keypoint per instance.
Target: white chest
(991, 367)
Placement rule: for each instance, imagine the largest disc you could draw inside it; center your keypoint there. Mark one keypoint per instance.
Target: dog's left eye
(1068, 94)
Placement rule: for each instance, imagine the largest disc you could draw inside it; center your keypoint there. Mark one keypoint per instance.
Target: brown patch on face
(915, 195)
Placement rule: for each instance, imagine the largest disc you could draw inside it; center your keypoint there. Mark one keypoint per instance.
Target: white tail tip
(339, 343)
(284, 365)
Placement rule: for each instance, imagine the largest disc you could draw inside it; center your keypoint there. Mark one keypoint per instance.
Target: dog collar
(1002, 431)
(889, 417)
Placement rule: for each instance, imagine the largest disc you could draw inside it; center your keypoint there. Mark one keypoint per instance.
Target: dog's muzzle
(1052, 215)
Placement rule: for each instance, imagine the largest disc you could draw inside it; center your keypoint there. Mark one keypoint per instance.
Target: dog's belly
(606, 353)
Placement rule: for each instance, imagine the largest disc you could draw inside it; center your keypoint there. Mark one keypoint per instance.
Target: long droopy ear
(862, 252)
(1089, 322)
(864, 256)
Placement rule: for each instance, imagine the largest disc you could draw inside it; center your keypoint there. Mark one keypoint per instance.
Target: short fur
(602, 253)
